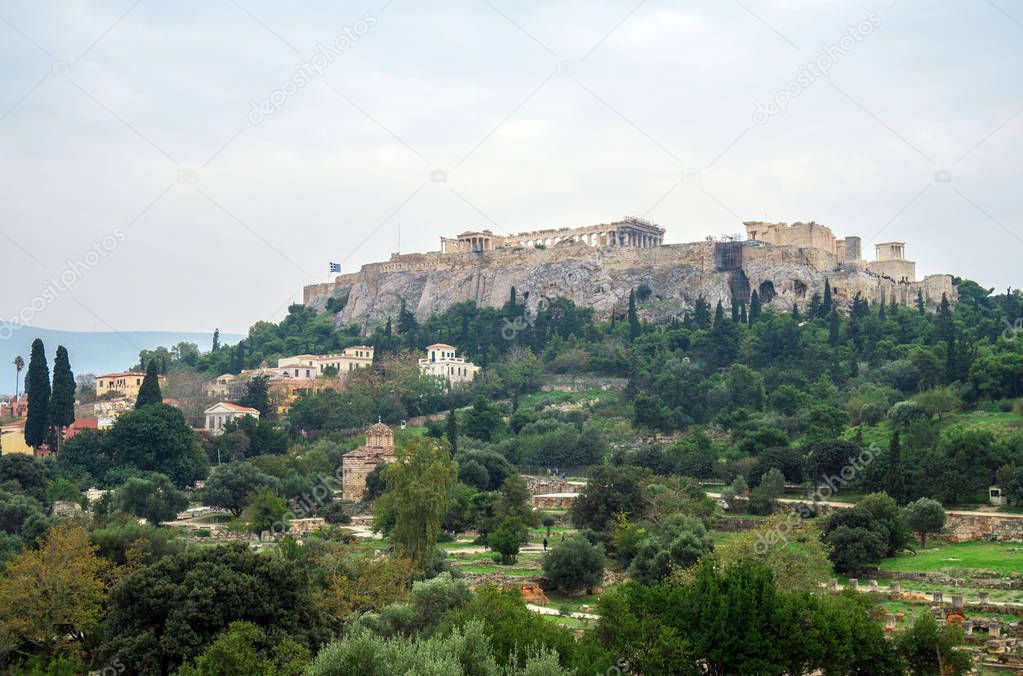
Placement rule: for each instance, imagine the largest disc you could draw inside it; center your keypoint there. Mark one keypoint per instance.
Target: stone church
(356, 465)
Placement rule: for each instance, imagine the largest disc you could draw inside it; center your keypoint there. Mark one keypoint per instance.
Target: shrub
(575, 564)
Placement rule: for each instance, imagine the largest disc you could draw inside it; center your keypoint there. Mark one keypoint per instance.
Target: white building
(351, 358)
(441, 361)
(223, 412)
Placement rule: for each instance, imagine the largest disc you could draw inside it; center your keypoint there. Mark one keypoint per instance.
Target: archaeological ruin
(599, 265)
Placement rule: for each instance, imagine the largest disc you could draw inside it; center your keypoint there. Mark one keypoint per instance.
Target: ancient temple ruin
(629, 232)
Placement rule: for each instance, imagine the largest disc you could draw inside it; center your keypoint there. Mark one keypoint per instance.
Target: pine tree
(150, 393)
(62, 395)
(216, 340)
(920, 307)
(735, 310)
(754, 307)
(826, 306)
(37, 384)
(833, 326)
(634, 325)
(719, 314)
(452, 431)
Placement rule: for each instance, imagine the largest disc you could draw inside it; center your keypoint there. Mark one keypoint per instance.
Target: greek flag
(335, 267)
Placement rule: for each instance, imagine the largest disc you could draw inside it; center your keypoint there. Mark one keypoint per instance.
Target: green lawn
(961, 558)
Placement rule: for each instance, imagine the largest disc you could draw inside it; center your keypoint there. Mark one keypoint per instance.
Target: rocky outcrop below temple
(602, 277)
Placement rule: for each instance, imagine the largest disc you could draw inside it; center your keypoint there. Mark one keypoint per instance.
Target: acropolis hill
(598, 265)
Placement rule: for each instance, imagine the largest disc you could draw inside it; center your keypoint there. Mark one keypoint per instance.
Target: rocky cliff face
(602, 279)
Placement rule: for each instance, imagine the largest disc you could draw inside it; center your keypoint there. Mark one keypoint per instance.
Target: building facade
(223, 412)
(356, 465)
(628, 232)
(126, 384)
(349, 359)
(442, 362)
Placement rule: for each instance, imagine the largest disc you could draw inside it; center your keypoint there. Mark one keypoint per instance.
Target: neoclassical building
(356, 465)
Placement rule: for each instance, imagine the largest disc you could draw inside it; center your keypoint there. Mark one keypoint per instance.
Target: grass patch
(961, 558)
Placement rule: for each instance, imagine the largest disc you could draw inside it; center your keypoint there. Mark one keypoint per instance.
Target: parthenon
(630, 232)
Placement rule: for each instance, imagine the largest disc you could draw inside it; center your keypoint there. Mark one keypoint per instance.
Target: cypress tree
(719, 314)
(815, 306)
(754, 307)
(702, 313)
(742, 313)
(895, 481)
(634, 326)
(62, 396)
(37, 384)
(452, 431)
(893, 309)
(833, 326)
(920, 302)
(795, 313)
(880, 309)
(735, 310)
(150, 393)
(826, 306)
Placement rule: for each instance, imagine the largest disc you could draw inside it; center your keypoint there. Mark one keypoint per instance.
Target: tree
(701, 313)
(513, 502)
(21, 473)
(192, 597)
(925, 516)
(885, 513)
(575, 564)
(149, 392)
(505, 540)
(37, 383)
(895, 477)
(62, 397)
(635, 328)
(798, 559)
(610, 490)
(827, 306)
(483, 420)
(244, 649)
(930, 649)
(754, 307)
(420, 484)
(264, 511)
(230, 485)
(52, 597)
(19, 364)
(451, 431)
(156, 438)
(855, 539)
(920, 307)
(833, 326)
(257, 396)
(764, 497)
(216, 340)
(677, 544)
(154, 498)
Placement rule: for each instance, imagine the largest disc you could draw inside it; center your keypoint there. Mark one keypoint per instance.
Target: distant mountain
(96, 352)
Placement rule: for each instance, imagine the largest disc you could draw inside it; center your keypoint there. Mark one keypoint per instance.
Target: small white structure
(996, 496)
(441, 361)
(223, 412)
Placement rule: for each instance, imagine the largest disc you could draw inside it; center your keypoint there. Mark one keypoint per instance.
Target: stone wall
(968, 527)
(602, 278)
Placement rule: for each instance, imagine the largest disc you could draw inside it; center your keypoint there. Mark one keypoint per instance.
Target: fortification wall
(602, 278)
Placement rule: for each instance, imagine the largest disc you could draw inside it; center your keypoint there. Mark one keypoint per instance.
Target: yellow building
(351, 358)
(12, 439)
(126, 383)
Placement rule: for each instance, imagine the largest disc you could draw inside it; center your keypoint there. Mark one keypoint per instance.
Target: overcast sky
(137, 131)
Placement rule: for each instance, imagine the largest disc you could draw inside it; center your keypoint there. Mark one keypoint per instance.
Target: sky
(191, 165)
